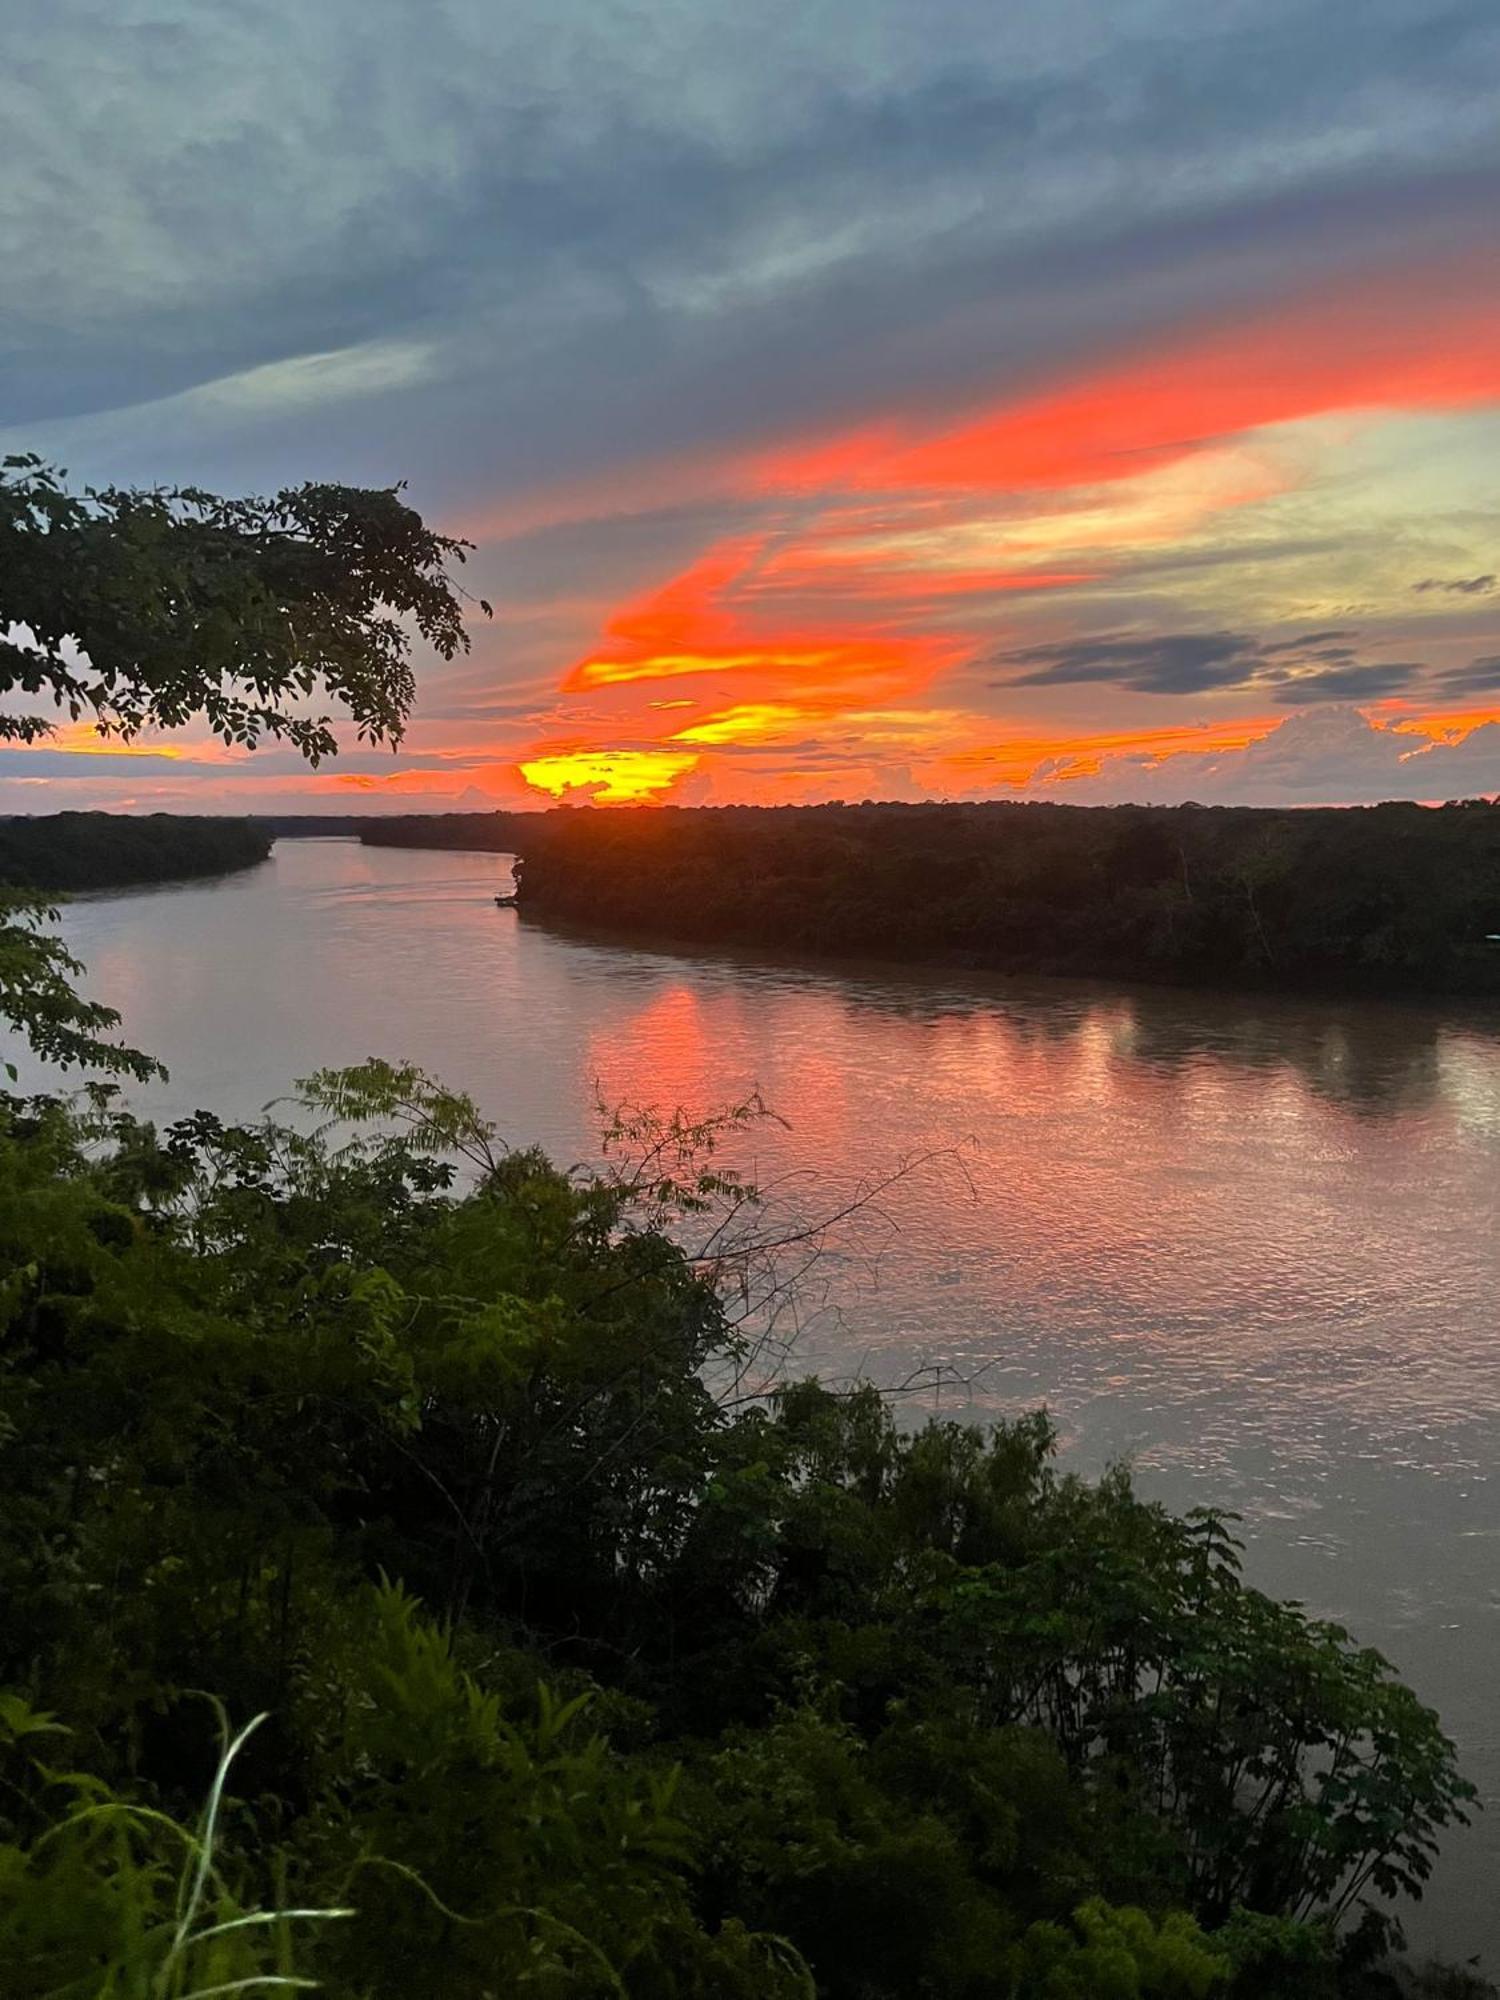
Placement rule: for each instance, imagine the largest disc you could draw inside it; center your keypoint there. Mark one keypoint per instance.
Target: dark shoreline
(1385, 902)
(72, 853)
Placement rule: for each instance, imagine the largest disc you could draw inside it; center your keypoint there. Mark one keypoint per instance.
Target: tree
(136, 609)
(580, 1682)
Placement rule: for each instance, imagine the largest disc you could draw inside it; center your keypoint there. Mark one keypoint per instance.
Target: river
(1248, 1242)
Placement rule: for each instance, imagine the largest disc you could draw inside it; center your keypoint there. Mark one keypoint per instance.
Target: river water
(1250, 1243)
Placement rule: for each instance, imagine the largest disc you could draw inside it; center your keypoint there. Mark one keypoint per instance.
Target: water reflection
(1249, 1241)
(1370, 1057)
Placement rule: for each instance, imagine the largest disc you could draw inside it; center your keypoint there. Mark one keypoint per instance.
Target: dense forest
(406, 1591)
(481, 833)
(99, 850)
(1386, 898)
(310, 826)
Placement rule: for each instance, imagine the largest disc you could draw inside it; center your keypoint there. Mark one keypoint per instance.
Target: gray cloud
(1459, 586)
(1170, 663)
(1353, 683)
(1313, 667)
(1325, 645)
(1479, 677)
(605, 230)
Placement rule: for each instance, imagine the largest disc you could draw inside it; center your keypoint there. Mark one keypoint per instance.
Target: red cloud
(858, 601)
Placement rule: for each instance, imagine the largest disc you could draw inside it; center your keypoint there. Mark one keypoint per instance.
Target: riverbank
(72, 851)
(1389, 900)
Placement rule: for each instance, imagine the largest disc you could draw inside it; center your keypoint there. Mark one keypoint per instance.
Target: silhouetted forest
(310, 826)
(1386, 898)
(97, 850)
(477, 833)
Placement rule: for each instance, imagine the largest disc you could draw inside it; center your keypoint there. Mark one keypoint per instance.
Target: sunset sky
(849, 399)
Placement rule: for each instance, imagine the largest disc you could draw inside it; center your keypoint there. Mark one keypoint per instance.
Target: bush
(580, 1682)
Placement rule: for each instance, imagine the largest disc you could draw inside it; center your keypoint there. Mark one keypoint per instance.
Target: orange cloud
(886, 556)
(388, 781)
(1443, 725)
(83, 739)
(761, 722)
(769, 658)
(1429, 341)
(703, 622)
(750, 722)
(1022, 759)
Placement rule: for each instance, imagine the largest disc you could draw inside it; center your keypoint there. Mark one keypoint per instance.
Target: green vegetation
(580, 1679)
(98, 850)
(1394, 898)
(131, 608)
(478, 833)
(134, 609)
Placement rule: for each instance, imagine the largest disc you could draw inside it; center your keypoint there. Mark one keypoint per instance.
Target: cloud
(619, 236)
(1459, 586)
(1369, 682)
(1326, 756)
(609, 777)
(315, 381)
(1169, 663)
(1479, 677)
(1315, 667)
(968, 331)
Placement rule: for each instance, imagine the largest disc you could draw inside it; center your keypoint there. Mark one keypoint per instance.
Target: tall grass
(165, 1921)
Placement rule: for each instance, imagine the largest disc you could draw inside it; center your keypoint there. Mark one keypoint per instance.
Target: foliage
(37, 990)
(516, 1850)
(134, 609)
(1386, 898)
(1119, 1954)
(117, 1901)
(581, 1680)
(153, 607)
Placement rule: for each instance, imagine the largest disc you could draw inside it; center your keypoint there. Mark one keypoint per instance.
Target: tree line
(1391, 898)
(477, 833)
(97, 850)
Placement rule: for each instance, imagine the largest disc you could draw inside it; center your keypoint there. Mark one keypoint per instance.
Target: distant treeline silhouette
(1394, 897)
(98, 850)
(310, 826)
(475, 833)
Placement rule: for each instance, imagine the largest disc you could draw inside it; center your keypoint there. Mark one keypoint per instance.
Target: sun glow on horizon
(611, 777)
(882, 568)
(907, 606)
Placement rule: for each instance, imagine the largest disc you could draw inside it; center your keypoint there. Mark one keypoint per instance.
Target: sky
(846, 399)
